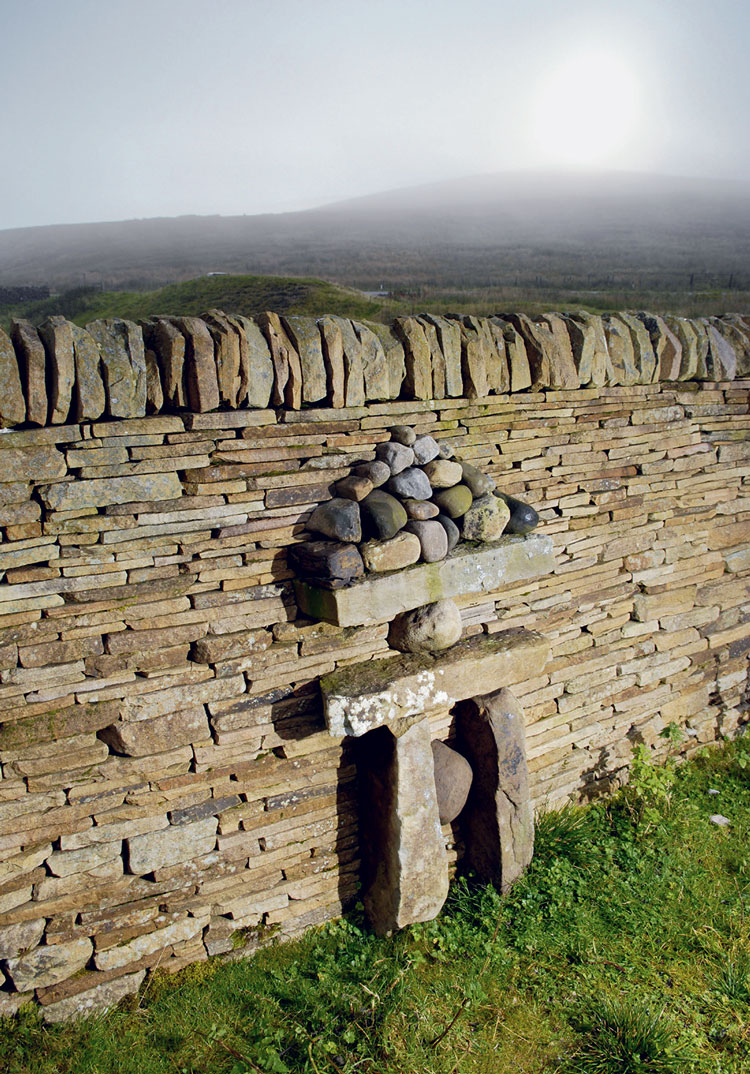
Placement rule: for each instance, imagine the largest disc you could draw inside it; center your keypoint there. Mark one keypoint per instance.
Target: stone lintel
(377, 599)
(403, 688)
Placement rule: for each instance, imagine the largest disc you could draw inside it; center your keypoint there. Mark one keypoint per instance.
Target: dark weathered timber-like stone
(498, 819)
(332, 562)
(453, 776)
(405, 867)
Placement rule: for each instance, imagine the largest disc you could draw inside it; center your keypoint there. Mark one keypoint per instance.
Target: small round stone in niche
(427, 629)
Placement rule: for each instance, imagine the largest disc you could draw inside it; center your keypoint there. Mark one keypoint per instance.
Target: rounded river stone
(523, 517)
(451, 529)
(486, 519)
(403, 434)
(412, 484)
(478, 482)
(420, 509)
(446, 451)
(382, 515)
(354, 487)
(401, 551)
(432, 537)
(427, 629)
(453, 502)
(425, 448)
(337, 518)
(453, 777)
(443, 473)
(377, 472)
(396, 456)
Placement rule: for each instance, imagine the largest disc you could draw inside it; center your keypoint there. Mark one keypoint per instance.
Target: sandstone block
(199, 367)
(374, 363)
(417, 356)
(392, 555)
(305, 337)
(49, 965)
(99, 492)
(58, 343)
(20, 937)
(228, 357)
(89, 396)
(168, 344)
(123, 365)
(427, 629)
(327, 561)
(485, 519)
(260, 369)
(113, 958)
(32, 363)
(145, 737)
(170, 846)
(93, 1000)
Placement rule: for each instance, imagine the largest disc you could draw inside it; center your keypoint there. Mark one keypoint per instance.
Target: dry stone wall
(168, 789)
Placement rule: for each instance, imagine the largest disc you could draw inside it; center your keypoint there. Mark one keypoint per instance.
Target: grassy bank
(625, 948)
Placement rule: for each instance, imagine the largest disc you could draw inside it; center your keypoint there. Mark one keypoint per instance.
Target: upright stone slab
(589, 349)
(259, 373)
(32, 366)
(374, 363)
(621, 351)
(227, 349)
(395, 363)
(168, 344)
(123, 365)
(333, 356)
(515, 350)
(304, 334)
(498, 819)
(449, 338)
(437, 358)
(405, 868)
(418, 381)
(58, 343)
(89, 397)
(287, 390)
(353, 366)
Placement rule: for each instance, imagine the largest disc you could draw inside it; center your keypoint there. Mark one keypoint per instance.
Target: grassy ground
(624, 949)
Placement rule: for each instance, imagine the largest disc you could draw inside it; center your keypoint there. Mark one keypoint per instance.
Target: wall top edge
(229, 371)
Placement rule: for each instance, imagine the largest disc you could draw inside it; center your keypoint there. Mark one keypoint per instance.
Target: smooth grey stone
(339, 519)
(377, 472)
(427, 629)
(452, 531)
(397, 456)
(425, 449)
(432, 537)
(382, 515)
(453, 778)
(443, 473)
(523, 517)
(479, 483)
(403, 434)
(445, 450)
(420, 509)
(412, 483)
(455, 501)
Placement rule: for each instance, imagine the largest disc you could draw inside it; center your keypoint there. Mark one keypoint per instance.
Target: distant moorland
(534, 241)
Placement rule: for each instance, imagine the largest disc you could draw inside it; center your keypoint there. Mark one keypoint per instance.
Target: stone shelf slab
(395, 691)
(378, 598)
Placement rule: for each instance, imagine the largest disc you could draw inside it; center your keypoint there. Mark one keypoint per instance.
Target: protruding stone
(327, 563)
(498, 820)
(645, 357)
(400, 551)
(123, 365)
(523, 518)
(427, 629)
(432, 538)
(453, 777)
(621, 351)
(479, 483)
(486, 519)
(667, 347)
(377, 471)
(515, 350)
(382, 515)
(418, 379)
(354, 487)
(353, 364)
(32, 365)
(142, 738)
(562, 365)
(338, 519)
(405, 867)
(58, 343)
(397, 456)
(474, 357)
(20, 937)
(333, 357)
(723, 357)
(452, 531)
(442, 473)
(425, 449)
(89, 397)
(437, 358)
(589, 345)
(686, 334)
(454, 502)
(420, 510)
(411, 483)
(403, 434)
(305, 335)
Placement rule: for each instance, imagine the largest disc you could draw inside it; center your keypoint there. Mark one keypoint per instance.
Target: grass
(624, 948)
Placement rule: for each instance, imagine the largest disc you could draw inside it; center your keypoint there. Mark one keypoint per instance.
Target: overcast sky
(114, 110)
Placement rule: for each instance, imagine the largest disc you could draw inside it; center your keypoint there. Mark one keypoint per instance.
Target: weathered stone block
(145, 737)
(50, 964)
(169, 846)
(93, 1000)
(99, 492)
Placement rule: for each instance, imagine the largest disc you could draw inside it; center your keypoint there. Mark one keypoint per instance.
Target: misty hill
(614, 230)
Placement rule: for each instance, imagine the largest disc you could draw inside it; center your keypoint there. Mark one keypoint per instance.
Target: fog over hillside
(580, 230)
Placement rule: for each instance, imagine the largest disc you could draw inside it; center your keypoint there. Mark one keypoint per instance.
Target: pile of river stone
(415, 501)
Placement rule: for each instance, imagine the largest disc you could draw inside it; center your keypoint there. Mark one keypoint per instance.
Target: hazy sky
(113, 110)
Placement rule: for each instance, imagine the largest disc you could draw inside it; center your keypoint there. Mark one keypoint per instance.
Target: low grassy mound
(623, 950)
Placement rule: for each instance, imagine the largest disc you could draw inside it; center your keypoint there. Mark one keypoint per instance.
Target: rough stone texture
(305, 336)
(123, 366)
(377, 471)
(425, 449)
(168, 344)
(486, 519)
(89, 396)
(353, 364)
(453, 776)
(154, 390)
(449, 339)
(355, 487)
(437, 358)
(378, 600)
(260, 368)
(32, 463)
(515, 350)
(328, 561)
(73, 496)
(411, 483)
(666, 345)
(418, 380)
(374, 363)
(125, 954)
(644, 352)
(478, 482)
(396, 456)
(405, 865)
(17, 938)
(563, 372)
(382, 515)
(358, 699)
(723, 356)
(338, 519)
(432, 538)
(401, 551)
(333, 357)
(146, 737)
(44, 966)
(32, 367)
(394, 357)
(454, 502)
(228, 356)
(58, 343)
(443, 473)
(621, 351)
(498, 819)
(156, 850)
(287, 385)
(427, 629)
(94, 1000)
(589, 346)
(474, 357)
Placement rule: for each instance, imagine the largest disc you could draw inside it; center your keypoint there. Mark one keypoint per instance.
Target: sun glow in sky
(585, 112)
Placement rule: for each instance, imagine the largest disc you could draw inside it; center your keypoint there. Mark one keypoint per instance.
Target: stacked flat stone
(414, 502)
